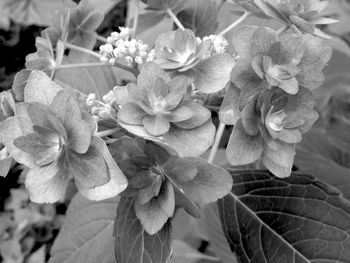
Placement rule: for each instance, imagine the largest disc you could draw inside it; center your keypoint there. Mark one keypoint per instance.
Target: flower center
(274, 120)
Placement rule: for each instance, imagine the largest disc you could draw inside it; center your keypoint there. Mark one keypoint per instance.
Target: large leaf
(98, 80)
(297, 219)
(133, 244)
(318, 157)
(201, 17)
(87, 233)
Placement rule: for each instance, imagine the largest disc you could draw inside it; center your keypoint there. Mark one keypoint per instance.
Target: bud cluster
(100, 110)
(121, 46)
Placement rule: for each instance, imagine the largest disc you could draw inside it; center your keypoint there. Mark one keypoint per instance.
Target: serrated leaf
(86, 235)
(133, 244)
(318, 157)
(298, 219)
(201, 17)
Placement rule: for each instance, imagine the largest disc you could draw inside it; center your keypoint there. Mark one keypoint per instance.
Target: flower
(159, 106)
(305, 15)
(159, 181)
(181, 53)
(50, 135)
(271, 124)
(267, 60)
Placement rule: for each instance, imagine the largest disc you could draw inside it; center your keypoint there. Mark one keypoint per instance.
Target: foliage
(125, 126)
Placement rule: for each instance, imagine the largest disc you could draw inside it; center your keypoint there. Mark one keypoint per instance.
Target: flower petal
(181, 113)
(156, 125)
(243, 148)
(180, 170)
(191, 142)
(117, 181)
(289, 50)
(156, 213)
(229, 109)
(47, 184)
(279, 161)
(211, 75)
(131, 113)
(200, 116)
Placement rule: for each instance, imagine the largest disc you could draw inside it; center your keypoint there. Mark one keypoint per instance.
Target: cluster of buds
(100, 110)
(120, 46)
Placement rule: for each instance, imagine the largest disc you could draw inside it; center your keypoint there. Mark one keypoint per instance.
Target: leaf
(298, 219)
(317, 156)
(86, 235)
(201, 17)
(174, 5)
(148, 20)
(30, 12)
(133, 244)
(98, 80)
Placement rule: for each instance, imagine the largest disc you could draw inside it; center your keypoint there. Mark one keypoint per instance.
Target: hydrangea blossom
(160, 106)
(50, 135)
(267, 60)
(305, 15)
(159, 181)
(204, 62)
(120, 47)
(271, 124)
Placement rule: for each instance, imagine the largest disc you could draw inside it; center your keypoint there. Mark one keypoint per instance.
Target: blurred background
(28, 230)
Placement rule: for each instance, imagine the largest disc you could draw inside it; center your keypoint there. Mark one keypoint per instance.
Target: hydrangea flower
(159, 106)
(304, 14)
(50, 135)
(267, 60)
(159, 181)
(271, 124)
(181, 52)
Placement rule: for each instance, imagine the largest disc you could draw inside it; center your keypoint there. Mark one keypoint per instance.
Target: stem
(101, 38)
(136, 18)
(134, 71)
(234, 24)
(84, 50)
(216, 143)
(107, 132)
(296, 29)
(83, 65)
(175, 19)
(282, 30)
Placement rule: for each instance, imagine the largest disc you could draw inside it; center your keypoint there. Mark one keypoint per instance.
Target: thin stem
(101, 38)
(134, 71)
(136, 18)
(282, 30)
(175, 19)
(84, 50)
(234, 24)
(296, 29)
(107, 132)
(216, 143)
(83, 65)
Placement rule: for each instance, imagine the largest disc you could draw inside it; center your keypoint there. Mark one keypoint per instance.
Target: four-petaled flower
(305, 15)
(182, 53)
(159, 181)
(272, 123)
(160, 106)
(52, 137)
(267, 60)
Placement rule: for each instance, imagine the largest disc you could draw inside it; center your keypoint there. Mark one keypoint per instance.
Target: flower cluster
(273, 78)
(120, 46)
